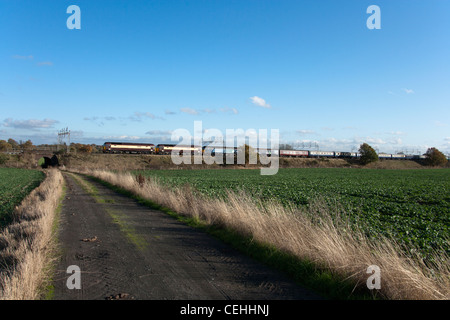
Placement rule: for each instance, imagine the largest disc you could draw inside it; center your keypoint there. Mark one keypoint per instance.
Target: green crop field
(411, 206)
(15, 184)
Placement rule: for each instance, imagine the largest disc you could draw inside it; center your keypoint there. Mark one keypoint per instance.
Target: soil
(128, 251)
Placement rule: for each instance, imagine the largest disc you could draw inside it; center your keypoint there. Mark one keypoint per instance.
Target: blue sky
(137, 70)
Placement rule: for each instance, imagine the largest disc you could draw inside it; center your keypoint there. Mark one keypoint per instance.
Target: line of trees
(12, 144)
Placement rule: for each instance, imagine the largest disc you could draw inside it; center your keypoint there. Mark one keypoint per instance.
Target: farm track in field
(128, 251)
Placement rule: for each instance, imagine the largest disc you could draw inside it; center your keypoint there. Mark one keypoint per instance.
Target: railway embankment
(144, 162)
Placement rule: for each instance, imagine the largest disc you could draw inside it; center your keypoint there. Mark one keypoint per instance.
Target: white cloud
(169, 112)
(305, 132)
(208, 110)
(139, 116)
(396, 133)
(45, 63)
(19, 57)
(90, 119)
(408, 91)
(31, 124)
(260, 102)
(229, 110)
(189, 111)
(439, 124)
(372, 140)
(123, 137)
(99, 120)
(159, 132)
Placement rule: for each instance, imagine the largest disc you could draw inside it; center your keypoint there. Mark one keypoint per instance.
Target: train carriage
(317, 154)
(125, 147)
(178, 149)
(267, 152)
(384, 156)
(294, 153)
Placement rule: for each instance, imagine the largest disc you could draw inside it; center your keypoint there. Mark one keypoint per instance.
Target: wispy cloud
(122, 137)
(169, 112)
(208, 110)
(396, 133)
(408, 91)
(189, 111)
(139, 116)
(260, 102)
(305, 132)
(45, 63)
(19, 57)
(90, 118)
(31, 124)
(99, 120)
(159, 132)
(229, 110)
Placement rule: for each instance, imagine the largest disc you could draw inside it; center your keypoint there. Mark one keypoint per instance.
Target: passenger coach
(124, 147)
(180, 149)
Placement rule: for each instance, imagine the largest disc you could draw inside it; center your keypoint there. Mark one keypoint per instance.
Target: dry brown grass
(320, 234)
(27, 244)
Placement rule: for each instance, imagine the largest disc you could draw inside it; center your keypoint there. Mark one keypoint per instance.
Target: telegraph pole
(62, 134)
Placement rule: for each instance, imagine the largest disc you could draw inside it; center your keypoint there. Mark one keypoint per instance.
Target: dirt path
(128, 251)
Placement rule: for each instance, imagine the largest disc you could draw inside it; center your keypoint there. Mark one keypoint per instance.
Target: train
(148, 148)
(166, 149)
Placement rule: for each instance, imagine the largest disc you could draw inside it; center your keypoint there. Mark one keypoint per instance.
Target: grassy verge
(49, 288)
(27, 245)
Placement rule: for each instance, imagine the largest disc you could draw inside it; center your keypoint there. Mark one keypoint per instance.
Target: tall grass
(27, 244)
(320, 234)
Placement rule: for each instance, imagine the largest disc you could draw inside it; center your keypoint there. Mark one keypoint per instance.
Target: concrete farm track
(128, 251)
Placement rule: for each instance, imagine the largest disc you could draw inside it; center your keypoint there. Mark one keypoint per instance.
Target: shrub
(3, 158)
(435, 158)
(368, 154)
